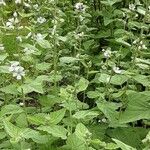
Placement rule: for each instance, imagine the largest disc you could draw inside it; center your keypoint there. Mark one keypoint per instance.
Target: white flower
(21, 104)
(136, 41)
(15, 14)
(19, 72)
(18, 1)
(13, 66)
(36, 6)
(104, 120)
(18, 38)
(144, 47)
(117, 70)
(27, 5)
(132, 7)
(80, 7)
(39, 37)
(10, 25)
(41, 20)
(78, 35)
(1, 47)
(107, 52)
(11, 22)
(28, 51)
(2, 2)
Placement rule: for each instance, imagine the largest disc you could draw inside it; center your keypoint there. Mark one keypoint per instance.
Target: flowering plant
(74, 75)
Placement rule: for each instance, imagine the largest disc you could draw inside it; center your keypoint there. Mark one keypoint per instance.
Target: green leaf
(37, 119)
(103, 78)
(142, 79)
(12, 130)
(25, 15)
(3, 57)
(86, 114)
(4, 69)
(122, 145)
(118, 79)
(32, 47)
(74, 143)
(56, 116)
(32, 86)
(2, 135)
(122, 41)
(10, 109)
(138, 107)
(129, 135)
(10, 89)
(109, 110)
(55, 130)
(93, 94)
(44, 44)
(67, 60)
(82, 85)
(141, 10)
(49, 100)
(43, 66)
(110, 2)
(82, 132)
(34, 135)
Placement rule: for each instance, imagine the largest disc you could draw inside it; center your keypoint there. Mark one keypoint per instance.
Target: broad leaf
(55, 130)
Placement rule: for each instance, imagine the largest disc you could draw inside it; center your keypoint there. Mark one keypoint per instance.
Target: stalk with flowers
(74, 74)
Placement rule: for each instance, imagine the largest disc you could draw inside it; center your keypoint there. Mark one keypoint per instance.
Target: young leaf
(55, 130)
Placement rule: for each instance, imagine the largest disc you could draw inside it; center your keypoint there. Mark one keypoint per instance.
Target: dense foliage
(74, 75)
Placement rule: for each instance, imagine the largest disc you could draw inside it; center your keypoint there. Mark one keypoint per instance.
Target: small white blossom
(2, 2)
(27, 5)
(144, 47)
(13, 66)
(2, 47)
(132, 7)
(107, 52)
(139, 47)
(39, 37)
(41, 20)
(99, 121)
(21, 104)
(11, 22)
(136, 15)
(19, 38)
(136, 41)
(36, 6)
(80, 7)
(19, 72)
(15, 14)
(104, 120)
(18, 1)
(10, 25)
(78, 35)
(28, 51)
(117, 70)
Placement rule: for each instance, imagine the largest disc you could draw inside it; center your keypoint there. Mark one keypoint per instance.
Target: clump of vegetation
(74, 75)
